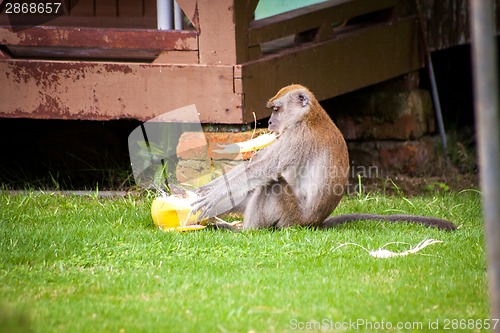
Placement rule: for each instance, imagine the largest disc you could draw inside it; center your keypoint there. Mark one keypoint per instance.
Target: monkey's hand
(203, 206)
(212, 201)
(227, 192)
(223, 194)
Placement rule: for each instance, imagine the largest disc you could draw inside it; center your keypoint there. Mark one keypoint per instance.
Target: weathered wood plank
(103, 91)
(96, 22)
(190, 9)
(83, 54)
(221, 89)
(177, 57)
(130, 8)
(217, 32)
(99, 38)
(345, 63)
(83, 8)
(223, 26)
(311, 17)
(106, 8)
(150, 8)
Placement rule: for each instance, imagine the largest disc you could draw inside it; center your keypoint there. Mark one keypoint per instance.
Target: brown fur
(297, 180)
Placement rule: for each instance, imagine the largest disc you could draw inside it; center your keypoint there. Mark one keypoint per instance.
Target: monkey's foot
(221, 224)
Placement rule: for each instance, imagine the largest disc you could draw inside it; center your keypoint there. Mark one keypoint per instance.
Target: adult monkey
(297, 180)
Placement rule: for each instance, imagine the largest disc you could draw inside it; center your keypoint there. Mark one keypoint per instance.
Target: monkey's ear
(304, 99)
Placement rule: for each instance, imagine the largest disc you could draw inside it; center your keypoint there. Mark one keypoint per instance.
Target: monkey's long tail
(336, 220)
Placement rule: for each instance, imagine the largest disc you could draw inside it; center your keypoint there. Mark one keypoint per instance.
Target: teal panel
(268, 8)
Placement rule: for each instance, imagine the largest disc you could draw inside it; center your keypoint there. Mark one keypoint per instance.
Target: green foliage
(437, 187)
(92, 264)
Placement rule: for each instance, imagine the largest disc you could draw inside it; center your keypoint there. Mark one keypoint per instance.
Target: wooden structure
(106, 60)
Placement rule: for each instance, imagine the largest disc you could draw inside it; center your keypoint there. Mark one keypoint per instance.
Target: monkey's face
(289, 107)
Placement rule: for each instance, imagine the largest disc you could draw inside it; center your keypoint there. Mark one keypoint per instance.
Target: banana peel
(173, 213)
(247, 146)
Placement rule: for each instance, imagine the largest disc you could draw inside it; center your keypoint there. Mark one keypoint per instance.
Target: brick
(409, 157)
(192, 146)
(391, 157)
(386, 115)
(199, 163)
(197, 173)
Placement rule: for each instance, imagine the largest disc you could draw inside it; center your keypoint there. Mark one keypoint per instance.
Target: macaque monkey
(297, 180)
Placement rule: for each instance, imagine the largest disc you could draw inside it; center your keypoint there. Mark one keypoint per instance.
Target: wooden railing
(313, 23)
(99, 29)
(320, 18)
(228, 64)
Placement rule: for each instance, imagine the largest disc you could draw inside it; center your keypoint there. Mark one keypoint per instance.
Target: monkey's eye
(275, 108)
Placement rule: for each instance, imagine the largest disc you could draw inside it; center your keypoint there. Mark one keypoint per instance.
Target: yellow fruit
(193, 227)
(171, 212)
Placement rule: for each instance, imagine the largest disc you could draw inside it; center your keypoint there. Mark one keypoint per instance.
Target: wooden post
(224, 37)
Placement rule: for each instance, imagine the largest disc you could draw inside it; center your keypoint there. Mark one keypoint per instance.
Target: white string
(383, 253)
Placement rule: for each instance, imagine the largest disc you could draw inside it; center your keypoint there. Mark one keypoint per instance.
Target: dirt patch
(411, 186)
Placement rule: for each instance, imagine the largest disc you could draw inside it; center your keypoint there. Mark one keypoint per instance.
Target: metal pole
(485, 69)
(439, 113)
(432, 77)
(164, 14)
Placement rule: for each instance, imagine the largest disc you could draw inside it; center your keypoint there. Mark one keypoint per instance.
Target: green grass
(89, 264)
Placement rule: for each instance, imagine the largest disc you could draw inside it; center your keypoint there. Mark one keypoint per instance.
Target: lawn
(94, 264)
